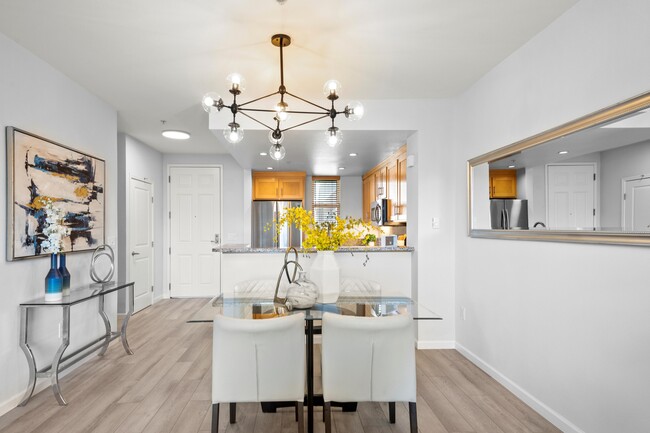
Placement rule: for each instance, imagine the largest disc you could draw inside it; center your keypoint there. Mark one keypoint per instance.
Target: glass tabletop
(80, 294)
(249, 307)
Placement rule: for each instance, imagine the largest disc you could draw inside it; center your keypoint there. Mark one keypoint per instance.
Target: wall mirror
(584, 181)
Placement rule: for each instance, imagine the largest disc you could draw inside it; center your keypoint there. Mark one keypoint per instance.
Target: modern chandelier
(234, 132)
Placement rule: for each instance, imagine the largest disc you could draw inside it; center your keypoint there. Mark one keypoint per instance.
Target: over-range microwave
(380, 212)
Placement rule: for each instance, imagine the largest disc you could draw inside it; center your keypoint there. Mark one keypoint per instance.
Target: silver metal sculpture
(102, 250)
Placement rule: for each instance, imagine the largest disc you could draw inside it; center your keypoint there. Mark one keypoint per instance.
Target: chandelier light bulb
(331, 89)
(354, 110)
(334, 136)
(211, 102)
(281, 111)
(273, 135)
(233, 133)
(277, 152)
(237, 82)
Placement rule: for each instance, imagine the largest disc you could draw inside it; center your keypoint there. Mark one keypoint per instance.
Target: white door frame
(166, 216)
(128, 230)
(596, 187)
(623, 181)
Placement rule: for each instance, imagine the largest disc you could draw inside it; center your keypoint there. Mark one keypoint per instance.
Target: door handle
(133, 253)
(216, 239)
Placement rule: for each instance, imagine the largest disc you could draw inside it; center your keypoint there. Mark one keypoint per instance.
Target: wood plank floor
(165, 387)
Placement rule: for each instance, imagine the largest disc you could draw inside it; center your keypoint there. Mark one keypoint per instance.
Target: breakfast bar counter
(390, 267)
(353, 250)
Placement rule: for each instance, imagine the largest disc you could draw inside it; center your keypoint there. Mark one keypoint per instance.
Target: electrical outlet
(463, 313)
(435, 223)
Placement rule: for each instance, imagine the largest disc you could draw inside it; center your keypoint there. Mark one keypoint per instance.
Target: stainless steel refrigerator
(265, 215)
(509, 214)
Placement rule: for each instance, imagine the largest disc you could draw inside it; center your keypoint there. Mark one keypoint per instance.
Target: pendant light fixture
(234, 133)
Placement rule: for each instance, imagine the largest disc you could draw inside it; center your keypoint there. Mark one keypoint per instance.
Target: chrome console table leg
(125, 342)
(24, 316)
(107, 325)
(65, 341)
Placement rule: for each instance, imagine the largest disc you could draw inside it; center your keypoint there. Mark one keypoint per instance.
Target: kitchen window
(325, 193)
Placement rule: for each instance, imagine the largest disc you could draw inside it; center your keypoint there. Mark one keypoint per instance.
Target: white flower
(55, 229)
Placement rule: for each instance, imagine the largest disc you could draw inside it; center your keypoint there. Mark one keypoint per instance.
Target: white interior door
(141, 242)
(636, 204)
(571, 190)
(195, 229)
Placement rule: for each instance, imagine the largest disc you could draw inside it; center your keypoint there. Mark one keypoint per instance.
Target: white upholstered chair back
(368, 358)
(258, 360)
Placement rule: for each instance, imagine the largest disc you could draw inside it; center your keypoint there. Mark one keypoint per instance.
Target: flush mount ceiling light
(176, 135)
(234, 133)
(563, 152)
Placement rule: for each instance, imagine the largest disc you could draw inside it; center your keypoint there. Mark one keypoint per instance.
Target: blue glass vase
(53, 282)
(65, 275)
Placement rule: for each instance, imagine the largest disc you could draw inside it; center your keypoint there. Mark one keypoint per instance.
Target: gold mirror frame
(593, 237)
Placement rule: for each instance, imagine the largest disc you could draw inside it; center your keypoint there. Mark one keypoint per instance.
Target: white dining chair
(368, 359)
(258, 360)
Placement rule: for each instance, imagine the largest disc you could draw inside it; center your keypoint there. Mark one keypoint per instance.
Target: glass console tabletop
(248, 307)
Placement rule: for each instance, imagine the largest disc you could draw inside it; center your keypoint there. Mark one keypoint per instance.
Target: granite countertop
(247, 250)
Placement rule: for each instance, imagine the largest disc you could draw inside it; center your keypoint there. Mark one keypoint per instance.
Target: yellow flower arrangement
(325, 236)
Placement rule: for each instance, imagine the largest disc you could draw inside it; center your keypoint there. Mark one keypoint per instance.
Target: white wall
(37, 98)
(564, 325)
(140, 161)
(351, 196)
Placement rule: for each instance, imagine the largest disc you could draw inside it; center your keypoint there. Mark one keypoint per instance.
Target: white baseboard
(552, 416)
(435, 344)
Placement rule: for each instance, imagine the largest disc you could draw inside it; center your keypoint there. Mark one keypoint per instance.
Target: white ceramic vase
(325, 273)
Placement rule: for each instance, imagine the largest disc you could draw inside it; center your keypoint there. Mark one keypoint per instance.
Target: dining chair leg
(413, 417)
(233, 413)
(297, 411)
(391, 412)
(215, 418)
(327, 413)
(300, 412)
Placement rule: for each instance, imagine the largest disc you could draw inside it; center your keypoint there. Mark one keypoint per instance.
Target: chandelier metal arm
(254, 119)
(309, 102)
(258, 99)
(304, 123)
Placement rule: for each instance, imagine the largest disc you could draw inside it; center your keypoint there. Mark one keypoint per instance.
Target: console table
(60, 362)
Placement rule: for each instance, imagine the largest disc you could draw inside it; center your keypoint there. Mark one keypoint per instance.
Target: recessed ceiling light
(353, 154)
(563, 152)
(341, 168)
(511, 166)
(263, 153)
(269, 168)
(176, 135)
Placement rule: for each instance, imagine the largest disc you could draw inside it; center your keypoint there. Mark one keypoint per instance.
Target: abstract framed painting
(40, 170)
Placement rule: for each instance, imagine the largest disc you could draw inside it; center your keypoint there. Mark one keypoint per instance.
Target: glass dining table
(247, 306)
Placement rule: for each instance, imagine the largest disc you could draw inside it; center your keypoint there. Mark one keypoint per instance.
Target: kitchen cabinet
(401, 187)
(368, 196)
(503, 183)
(288, 185)
(387, 180)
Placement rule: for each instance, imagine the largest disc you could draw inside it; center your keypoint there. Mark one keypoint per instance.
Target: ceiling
(153, 60)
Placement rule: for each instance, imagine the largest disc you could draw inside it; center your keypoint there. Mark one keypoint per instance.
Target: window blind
(325, 193)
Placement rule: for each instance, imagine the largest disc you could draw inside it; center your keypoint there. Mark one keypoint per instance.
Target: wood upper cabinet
(368, 196)
(286, 185)
(387, 180)
(503, 183)
(401, 186)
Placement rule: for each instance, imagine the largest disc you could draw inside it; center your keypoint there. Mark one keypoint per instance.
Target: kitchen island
(388, 266)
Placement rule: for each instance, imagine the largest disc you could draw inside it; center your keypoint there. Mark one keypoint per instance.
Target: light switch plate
(435, 223)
